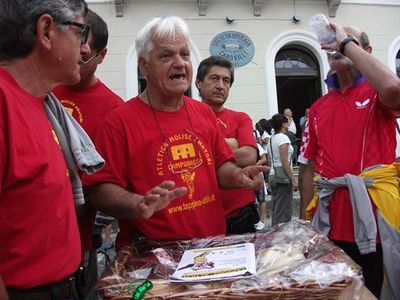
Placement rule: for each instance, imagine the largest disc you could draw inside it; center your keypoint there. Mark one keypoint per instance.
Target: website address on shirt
(191, 205)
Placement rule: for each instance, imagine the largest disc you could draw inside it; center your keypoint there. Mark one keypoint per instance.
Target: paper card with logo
(233, 261)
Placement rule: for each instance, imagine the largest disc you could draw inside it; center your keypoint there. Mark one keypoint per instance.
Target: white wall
(253, 90)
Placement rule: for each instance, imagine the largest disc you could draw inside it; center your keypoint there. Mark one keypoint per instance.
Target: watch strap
(346, 41)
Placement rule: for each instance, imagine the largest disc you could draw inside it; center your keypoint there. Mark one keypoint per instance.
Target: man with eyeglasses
(41, 45)
(214, 79)
(83, 31)
(89, 101)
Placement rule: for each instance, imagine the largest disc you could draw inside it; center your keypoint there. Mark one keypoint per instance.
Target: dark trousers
(62, 290)
(244, 221)
(371, 264)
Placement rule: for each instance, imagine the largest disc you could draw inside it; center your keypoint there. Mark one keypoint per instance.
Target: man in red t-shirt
(165, 140)
(349, 129)
(89, 102)
(41, 45)
(214, 79)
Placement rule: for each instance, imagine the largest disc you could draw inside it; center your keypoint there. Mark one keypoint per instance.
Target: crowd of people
(167, 166)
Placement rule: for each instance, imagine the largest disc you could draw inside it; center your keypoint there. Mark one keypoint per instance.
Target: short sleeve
(245, 134)
(112, 145)
(281, 139)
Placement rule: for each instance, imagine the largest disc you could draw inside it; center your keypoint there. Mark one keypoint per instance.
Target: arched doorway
(297, 80)
(293, 37)
(398, 63)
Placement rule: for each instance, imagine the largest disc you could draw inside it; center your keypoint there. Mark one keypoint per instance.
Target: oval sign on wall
(234, 46)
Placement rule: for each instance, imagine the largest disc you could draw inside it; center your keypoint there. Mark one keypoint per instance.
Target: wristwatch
(345, 42)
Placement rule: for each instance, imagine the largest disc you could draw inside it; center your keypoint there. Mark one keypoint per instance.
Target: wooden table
(363, 294)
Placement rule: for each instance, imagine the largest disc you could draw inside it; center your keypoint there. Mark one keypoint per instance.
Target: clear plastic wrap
(292, 261)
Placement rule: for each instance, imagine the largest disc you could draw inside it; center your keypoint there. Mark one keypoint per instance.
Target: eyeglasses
(85, 30)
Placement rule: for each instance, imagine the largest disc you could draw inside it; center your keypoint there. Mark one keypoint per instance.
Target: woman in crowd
(281, 180)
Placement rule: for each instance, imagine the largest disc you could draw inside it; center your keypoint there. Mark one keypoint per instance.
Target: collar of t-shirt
(333, 82)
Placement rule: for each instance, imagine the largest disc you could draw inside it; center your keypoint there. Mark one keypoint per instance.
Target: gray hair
(18, 19)
(157, 28)
(364, 39)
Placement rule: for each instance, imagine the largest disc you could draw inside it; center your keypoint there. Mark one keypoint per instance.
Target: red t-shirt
(89, 106)
(346, 133)
(238, 125)
(38, 230)
(131, 142)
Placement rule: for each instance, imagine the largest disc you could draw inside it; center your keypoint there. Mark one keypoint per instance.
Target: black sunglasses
(85, 30)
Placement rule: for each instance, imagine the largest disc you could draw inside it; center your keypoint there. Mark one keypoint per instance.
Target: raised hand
(158, 198)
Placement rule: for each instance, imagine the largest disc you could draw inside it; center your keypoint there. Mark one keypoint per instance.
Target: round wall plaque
(234, 46)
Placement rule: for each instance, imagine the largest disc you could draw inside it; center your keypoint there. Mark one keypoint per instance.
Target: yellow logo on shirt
(183, 151)
(188, 179)
(181, 154)
(73, 109)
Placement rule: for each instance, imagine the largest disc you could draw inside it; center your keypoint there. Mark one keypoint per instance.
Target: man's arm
(230, 176)
(232, 143)
(246, 153)
(283, 153)
(306, 186)
(245, 156)
(118, 202)
(386, 83)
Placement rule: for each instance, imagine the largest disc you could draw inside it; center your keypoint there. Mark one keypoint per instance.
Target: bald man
(349, 129)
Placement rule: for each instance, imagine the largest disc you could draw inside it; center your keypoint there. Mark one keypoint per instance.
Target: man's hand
(252, 176)
(158, 198)
(295, 184)
(232, 177)
(118, 202)
(340, 36)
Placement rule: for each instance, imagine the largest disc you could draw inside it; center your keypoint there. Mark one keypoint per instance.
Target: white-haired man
(163, 138)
